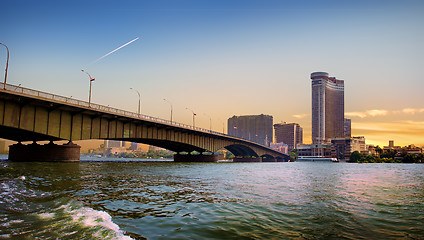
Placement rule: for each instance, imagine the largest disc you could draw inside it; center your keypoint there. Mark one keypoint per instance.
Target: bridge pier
(195, 158)
(50, 152)
(247, 159)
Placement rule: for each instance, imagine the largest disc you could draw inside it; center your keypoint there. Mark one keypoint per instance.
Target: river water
(165, 200)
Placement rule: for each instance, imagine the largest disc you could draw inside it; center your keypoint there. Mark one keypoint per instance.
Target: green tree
(370, 159)
(229, 155)
(410, 158)
(355, 157)
(420, 158)
(293, 155)
(378, 150)
(152, 154)
(389, 153)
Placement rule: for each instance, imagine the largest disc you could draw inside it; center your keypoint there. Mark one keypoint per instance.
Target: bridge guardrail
(95, 106)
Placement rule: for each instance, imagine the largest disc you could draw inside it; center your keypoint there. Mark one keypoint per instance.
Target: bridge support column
(195, 158)
(247, 159)
(51, 152)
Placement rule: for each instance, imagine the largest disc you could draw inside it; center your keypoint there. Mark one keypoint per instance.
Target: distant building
(115, 150)
(316, 150)
(412, 149)
(288, 133)
(134, 146)
(255, 128)
(282, 147)
(358, 144)
(341, 148)
(372, 150)
(113, 144)
(327, 108)
(392, 146)
(347, 128)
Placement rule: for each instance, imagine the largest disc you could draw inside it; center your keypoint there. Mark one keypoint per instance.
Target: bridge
(31, 115)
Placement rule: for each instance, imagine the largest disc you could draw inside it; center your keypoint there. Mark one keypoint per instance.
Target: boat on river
(316, 158)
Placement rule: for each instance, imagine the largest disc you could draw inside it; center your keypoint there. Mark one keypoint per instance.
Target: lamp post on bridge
(194, 114)
(89, 94)
(139, 100)
(171, 107)
(7, 66)
(210, 122)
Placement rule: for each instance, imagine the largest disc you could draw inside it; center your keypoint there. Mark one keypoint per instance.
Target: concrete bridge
(31, 115)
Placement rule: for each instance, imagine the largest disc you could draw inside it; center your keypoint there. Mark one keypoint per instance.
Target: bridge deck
(73, 119)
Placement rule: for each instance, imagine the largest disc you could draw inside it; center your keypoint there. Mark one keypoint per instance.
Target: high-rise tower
(255, 128)
(327, 108)
(288, 133)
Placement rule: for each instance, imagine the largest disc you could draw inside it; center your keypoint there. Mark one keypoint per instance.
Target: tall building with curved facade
(327, 108)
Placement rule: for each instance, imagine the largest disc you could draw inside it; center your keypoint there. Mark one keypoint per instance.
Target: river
(96, 199)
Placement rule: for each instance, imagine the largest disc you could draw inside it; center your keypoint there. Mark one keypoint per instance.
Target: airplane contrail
(116, 49)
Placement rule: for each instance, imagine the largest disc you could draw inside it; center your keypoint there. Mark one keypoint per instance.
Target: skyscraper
(256, 128)
(327, 108)
(288, 133)
(347, 127)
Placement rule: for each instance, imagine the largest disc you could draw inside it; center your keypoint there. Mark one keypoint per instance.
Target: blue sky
(225, 58)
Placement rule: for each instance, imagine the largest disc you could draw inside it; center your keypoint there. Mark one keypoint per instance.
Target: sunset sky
(225, 58)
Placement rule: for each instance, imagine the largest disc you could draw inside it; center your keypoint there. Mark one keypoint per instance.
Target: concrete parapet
(247, 159)
(51, 152)
(195, 158)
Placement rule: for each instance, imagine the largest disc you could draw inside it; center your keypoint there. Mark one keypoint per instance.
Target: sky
(226, 58)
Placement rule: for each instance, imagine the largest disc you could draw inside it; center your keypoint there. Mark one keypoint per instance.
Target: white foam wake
(93, 218)
(72, 219)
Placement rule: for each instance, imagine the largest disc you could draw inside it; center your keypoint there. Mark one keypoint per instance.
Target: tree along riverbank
(387, 157)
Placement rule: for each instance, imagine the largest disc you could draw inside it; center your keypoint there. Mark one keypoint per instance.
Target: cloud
(300, 116)
(382, 112)
(416, 124)
(376, 126)
(368, 113)
(356, 114)
(374, 113)
(413, 110)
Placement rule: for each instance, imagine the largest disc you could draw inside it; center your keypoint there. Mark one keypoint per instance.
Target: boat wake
(32, 214)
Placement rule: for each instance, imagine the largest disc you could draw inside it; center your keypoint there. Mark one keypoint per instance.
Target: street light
(7, 65)
(91, 80)
(210, 121)
(171, 107)
(138, 100)
(194, 114)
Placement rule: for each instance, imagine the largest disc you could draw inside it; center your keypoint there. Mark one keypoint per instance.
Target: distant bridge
(31, 115)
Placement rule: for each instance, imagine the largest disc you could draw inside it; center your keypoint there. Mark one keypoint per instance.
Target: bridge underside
(24, 118)
(177, 147)
(20, 135)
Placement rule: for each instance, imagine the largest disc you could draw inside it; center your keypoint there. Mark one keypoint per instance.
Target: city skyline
(227, 58)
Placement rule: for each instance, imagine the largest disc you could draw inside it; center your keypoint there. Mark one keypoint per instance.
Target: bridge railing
(76, 102)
